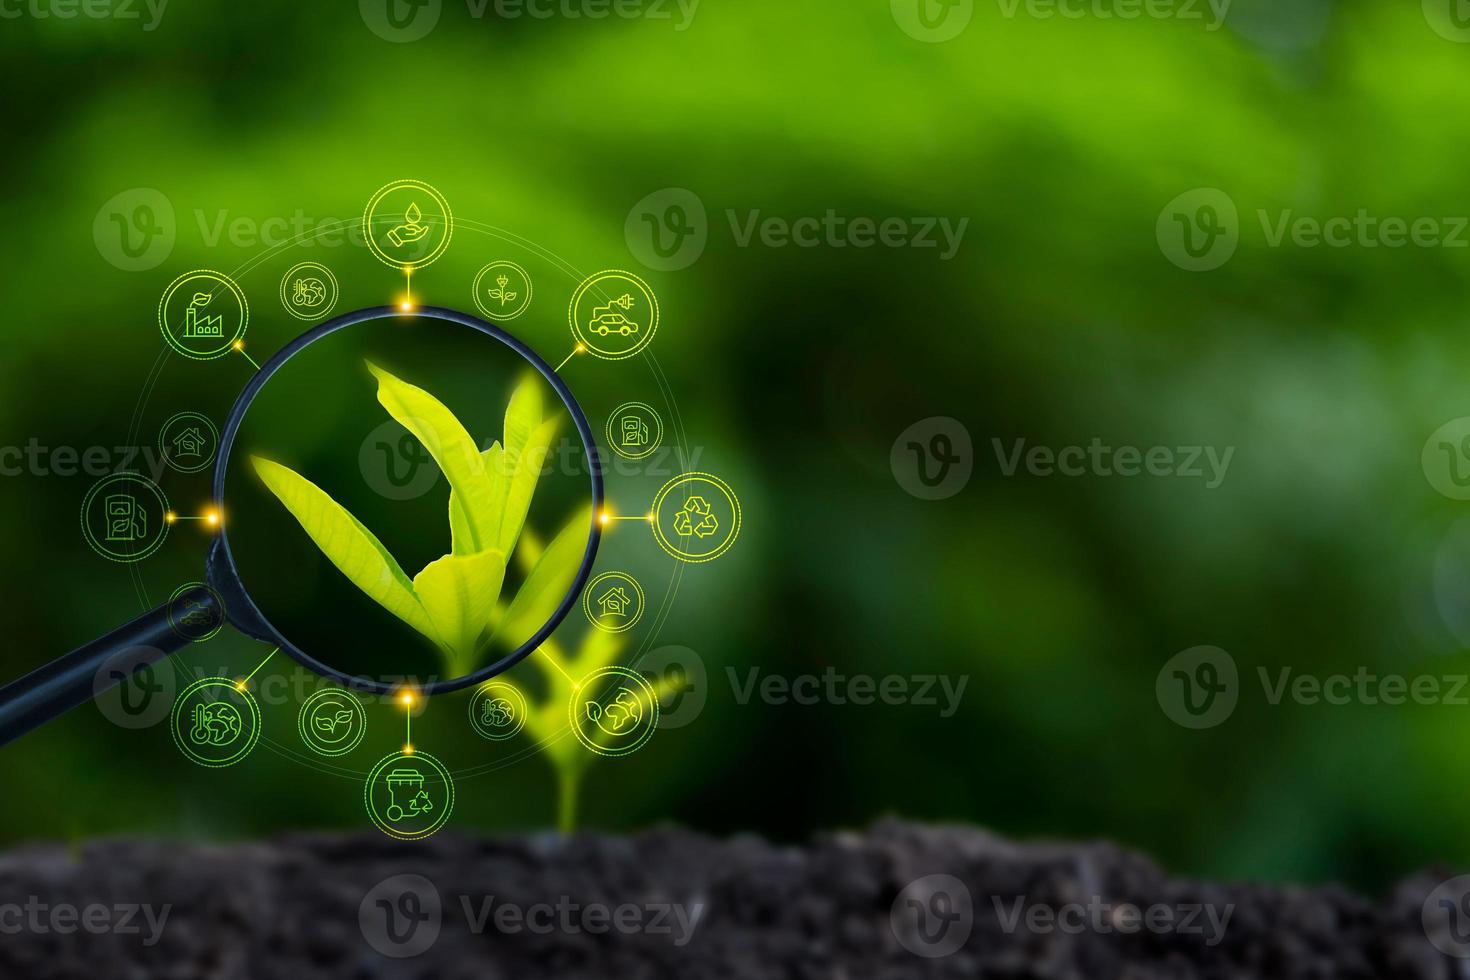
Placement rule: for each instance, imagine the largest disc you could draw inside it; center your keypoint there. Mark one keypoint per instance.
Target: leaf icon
(413, 215)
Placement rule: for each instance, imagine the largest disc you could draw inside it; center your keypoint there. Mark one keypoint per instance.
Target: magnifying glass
(432, 554)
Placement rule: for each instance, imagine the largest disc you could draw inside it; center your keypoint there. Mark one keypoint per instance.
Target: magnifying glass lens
(407, 499)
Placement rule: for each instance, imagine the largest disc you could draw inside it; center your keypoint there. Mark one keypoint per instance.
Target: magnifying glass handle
(79, 676)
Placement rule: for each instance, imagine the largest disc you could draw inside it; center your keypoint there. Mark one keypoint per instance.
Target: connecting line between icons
(239, 348)
(240, 684)
(579, 349)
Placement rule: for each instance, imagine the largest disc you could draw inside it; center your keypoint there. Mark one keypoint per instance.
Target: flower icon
(695, 518)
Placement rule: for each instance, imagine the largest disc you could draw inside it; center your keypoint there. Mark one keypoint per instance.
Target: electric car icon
(606, 320)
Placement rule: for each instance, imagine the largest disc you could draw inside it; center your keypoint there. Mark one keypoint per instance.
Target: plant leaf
(461, 534)
(459, 593)
(523, 482)
(354, 549)
(522, 416)
(452, 448)
(546, 586)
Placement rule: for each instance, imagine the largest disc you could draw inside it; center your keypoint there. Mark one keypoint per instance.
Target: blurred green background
(792, 370)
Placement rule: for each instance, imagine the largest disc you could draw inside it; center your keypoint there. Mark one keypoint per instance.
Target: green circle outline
(632, 675)
(174, 342)
(322, 695)
(169, 614)
(587, 284)
(475, 721)
(328, 308)
(696, 476)
(612, 440)
(501, 264)
(163, 452)
(587, 601)
(367, 223)
(163, 520)
(173, 723)
(380, 823)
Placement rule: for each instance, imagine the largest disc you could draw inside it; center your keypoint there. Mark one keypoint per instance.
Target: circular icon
(134, 688)
(195, 612)
(497, 711)
(1446, 459)
(1199, 230)
(1447, 19)
(386, 19)
(668, 229)
(917, 18)
(135, 229)
(696, 517)
(613, 602)
(502, 290)
(125, 517)
(933, 916)
(634, 430)
(933, 458)
(187, 442)
(401, 916)
(613, 314)
(216, 722)
(613, 711)
(1445, 916)
(678, 675)
(202, 314)
(1199, 687)
(309, 290)
(331, 722)
(395, 464)
(407, 224)
(409, 795)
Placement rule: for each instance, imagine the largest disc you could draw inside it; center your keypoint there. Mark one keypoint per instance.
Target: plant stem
(568, 782)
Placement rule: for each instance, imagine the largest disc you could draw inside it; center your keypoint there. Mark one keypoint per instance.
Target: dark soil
(289, 910)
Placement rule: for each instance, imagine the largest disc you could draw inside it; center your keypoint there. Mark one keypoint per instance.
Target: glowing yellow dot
(213, 518)
(580, 348)
(604, 517)
(170, 517)
(239, 345)
(408, 750)
(240, 686)
(407, 699)
(405, 306)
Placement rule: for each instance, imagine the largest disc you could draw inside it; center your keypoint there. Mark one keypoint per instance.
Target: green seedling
(454, 601)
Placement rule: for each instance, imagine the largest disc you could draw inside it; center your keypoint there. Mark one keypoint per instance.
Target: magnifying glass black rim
(224, 571)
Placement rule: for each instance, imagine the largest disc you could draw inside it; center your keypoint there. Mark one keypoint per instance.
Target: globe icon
(308, 292)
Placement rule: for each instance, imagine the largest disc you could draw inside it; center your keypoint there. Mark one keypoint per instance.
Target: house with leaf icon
(615, 601)
(189, 442)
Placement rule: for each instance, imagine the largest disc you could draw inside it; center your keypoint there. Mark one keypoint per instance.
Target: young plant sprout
(455, 600)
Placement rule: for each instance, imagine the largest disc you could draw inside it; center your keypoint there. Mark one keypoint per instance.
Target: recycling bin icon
(406, 795)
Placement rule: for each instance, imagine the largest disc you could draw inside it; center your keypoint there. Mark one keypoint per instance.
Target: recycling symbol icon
(695, 518)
